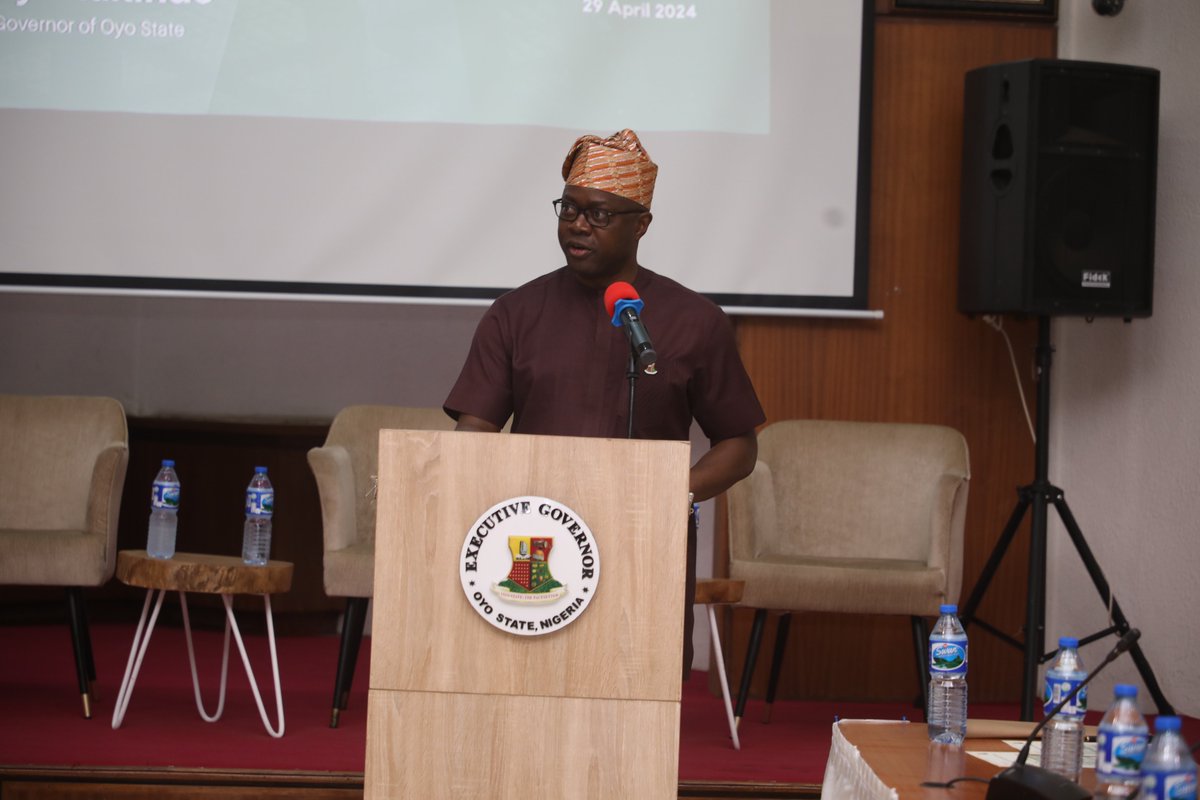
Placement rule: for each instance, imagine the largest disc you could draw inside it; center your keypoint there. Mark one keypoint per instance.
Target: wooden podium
(460, 708)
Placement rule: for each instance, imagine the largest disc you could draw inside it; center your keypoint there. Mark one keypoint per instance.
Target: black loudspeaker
(1058, 182)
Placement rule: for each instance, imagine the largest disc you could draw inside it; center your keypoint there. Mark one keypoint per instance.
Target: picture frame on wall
(1043, 9)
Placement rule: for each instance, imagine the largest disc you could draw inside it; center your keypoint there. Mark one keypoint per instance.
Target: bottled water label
(260, 502)
(1119, 755)
(1058, 687)
(947, 657)
(1169, 785)
(164, 495)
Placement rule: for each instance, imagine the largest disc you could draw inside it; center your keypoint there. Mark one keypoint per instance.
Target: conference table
(886, 759)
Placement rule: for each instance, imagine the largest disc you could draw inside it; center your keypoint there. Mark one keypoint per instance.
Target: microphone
(623, 304)
(1021, 780)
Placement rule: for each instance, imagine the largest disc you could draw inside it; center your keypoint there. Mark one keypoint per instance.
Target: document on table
(1006, 758)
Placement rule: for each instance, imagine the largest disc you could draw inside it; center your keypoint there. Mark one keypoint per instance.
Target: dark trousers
(689, 597)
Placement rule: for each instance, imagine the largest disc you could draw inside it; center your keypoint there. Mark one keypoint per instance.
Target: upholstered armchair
(62, 469)
(345, 468)
(851, 517)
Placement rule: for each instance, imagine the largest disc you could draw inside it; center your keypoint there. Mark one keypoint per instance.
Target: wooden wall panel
(923, 362)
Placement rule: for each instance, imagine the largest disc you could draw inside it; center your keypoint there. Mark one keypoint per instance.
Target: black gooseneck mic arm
(1123, 644)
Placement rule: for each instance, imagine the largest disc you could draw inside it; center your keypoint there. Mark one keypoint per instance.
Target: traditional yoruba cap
(618, 164)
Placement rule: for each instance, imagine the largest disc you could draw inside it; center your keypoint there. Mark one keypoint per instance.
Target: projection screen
(410, 149)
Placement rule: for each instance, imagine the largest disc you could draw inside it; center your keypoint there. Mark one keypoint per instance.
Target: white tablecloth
(847, 775)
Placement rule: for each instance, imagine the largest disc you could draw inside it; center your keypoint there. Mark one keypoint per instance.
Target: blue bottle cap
(260, 469)
(1125, 690)
(168, 462)
(1068, 641)
(1166, 724)
(948, 608)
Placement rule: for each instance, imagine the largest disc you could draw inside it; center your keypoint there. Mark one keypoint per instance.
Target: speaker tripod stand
(1039, 495)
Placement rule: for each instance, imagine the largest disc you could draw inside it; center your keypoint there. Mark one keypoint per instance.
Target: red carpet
(40, 721)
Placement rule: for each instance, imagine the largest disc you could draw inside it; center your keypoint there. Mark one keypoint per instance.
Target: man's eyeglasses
(596, 217)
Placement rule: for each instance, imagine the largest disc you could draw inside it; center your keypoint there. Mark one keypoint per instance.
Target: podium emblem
(529, 566)
(529, 581)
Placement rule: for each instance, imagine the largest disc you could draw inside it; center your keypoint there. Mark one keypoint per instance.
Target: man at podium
(549, 354)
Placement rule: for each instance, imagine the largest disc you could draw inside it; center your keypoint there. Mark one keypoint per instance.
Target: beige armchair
(851, 517)
(62, 469)
(345, 468)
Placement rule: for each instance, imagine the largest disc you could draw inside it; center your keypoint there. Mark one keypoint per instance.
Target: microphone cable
(950, 783)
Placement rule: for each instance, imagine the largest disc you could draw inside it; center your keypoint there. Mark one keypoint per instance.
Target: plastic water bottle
(1062, 738)
(946, 716)
(1120, 745)
(1168, 770)
(164, 507)
(256, 533)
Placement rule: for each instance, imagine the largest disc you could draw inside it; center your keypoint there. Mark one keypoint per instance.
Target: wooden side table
(719, 591)
(192, 572)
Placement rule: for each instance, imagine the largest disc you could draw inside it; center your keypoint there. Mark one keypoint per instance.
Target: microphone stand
(632, 374)
(1038, 497)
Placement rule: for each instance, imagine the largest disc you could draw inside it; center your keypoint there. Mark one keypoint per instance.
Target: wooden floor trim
(21, 782)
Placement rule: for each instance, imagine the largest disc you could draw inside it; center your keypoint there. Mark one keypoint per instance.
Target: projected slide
(393, 148)
(678, 66)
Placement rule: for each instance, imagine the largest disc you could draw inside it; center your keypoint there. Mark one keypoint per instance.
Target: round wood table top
(199, 572)
(718, 590)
